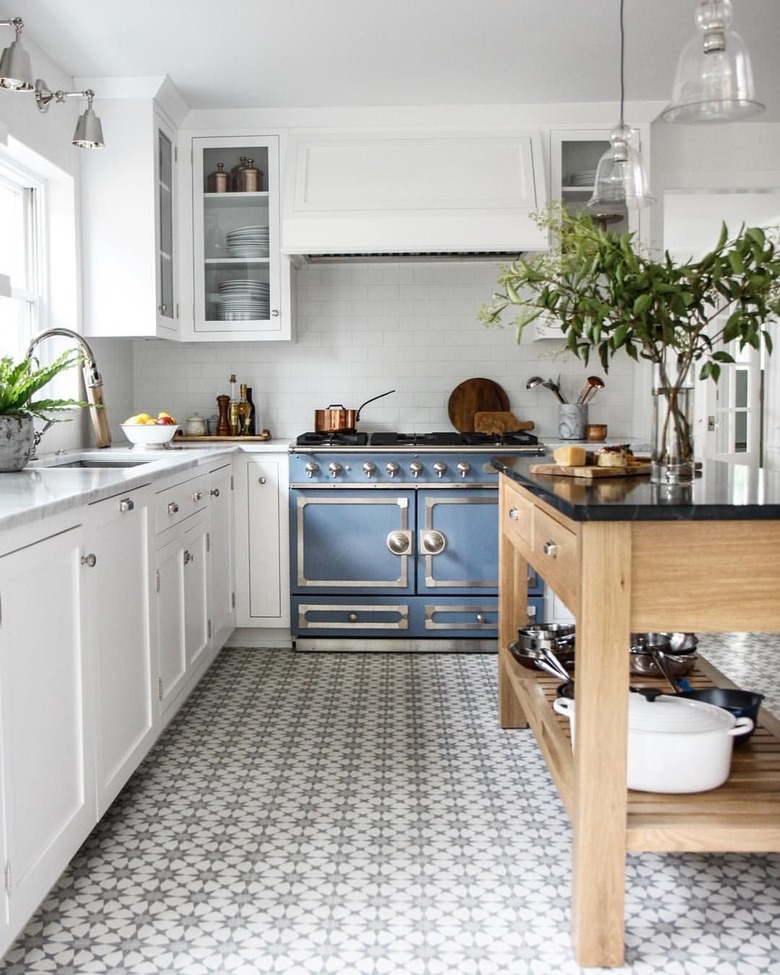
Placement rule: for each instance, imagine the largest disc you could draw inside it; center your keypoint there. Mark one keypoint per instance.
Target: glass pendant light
(621, 179)
(714, 80)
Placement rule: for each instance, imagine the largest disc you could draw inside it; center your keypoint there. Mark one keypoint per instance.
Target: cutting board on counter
(592, 472)
(475, 396)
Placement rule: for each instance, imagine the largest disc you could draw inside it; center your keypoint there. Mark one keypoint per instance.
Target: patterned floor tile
(365, 815)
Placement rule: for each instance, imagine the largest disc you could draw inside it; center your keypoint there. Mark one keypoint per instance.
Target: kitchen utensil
(555, 389)
(646, 647)
(539, 659)
(589, 389)
(742, 704)
(337, 419)
(675, 745)
(548, 384)
(475, 396)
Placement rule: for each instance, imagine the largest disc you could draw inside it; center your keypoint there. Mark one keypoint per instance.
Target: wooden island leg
(601, 714)
(513, 600)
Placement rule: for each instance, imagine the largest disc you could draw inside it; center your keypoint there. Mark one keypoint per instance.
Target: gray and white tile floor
(363, 814)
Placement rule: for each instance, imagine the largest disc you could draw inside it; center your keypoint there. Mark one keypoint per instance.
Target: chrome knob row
(393, 468)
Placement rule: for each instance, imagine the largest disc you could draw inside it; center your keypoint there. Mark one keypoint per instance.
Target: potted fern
(19, 384)
(609, 297)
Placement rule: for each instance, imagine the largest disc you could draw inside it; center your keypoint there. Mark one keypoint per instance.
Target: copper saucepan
(337, 419)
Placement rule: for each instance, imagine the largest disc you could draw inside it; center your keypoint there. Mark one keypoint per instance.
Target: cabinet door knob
(126, 504)
(173, 508)
(89, 560)
(214, 492)
(514, 514)
(197, 495)
(188, 556)
(274, 313)
(551, 549)
(263, 480)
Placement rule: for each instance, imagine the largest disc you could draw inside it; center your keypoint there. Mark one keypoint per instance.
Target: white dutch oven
(675, 745)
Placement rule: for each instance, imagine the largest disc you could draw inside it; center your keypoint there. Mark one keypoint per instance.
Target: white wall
(363, 329)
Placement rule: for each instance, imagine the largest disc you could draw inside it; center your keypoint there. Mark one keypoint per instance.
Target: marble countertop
(41, 490)
(721, 491)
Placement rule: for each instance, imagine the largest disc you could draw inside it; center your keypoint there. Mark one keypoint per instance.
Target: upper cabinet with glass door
(574, 157)
(238, 275)
(128, 223)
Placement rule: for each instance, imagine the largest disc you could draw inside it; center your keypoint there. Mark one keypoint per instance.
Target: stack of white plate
(248, 242)
(243, 301)
(587, 177)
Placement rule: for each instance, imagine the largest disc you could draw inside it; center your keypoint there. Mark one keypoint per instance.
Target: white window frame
(33, 296)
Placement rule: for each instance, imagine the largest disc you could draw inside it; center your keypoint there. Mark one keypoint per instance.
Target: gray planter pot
(17, 441)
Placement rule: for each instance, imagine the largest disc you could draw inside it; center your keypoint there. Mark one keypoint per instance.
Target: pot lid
(675, 715)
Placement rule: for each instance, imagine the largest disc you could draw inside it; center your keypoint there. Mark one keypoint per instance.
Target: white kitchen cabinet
(181, 584)
(241, 285)
(262, 541)
(222, 598)
(574, 158)
(129, 238)
(118, 633)
(48, 788)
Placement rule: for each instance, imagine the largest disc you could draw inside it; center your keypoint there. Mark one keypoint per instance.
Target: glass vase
(672, 452)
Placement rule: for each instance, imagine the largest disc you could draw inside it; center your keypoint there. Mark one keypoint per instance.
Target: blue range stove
(394, 541)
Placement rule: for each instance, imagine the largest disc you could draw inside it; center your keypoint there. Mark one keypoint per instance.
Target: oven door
(352, 541)
(457, 541)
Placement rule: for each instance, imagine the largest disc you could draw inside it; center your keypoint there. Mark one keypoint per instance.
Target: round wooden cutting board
(474, 396)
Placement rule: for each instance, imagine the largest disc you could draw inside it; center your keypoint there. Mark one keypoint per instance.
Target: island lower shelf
(741, 816)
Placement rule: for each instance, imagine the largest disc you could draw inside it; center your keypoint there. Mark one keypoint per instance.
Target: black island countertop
(721, 491)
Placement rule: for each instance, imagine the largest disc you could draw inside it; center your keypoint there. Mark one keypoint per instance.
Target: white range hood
(405, 195)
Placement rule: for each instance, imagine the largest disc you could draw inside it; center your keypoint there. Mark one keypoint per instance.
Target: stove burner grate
(444, 438)
(333, 439)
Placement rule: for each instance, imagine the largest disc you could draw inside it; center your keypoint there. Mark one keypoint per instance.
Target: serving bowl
(149, 435)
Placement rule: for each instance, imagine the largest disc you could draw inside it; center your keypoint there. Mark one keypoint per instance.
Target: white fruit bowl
(149, 434)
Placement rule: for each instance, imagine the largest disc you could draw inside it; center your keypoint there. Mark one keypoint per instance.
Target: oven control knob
(393, 468)
(335, 468)
(464, 467)
(369, 468)
(415, 467)
(440, 468)
(311, 469)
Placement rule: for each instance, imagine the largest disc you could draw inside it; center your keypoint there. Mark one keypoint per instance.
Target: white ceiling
(257, 53)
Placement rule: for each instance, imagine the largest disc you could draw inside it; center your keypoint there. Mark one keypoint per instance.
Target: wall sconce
(15, 68)
(16, 75)
(89, 131)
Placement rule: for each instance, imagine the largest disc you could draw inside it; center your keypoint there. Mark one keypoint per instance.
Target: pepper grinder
(223, 424)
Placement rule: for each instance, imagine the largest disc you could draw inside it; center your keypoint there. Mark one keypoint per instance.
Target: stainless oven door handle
(432, 542)
(400, 542)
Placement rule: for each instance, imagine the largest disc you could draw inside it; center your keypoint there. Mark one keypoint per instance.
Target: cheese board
(592, 471)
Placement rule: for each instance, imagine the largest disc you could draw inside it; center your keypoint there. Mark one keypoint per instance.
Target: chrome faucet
(93, 382)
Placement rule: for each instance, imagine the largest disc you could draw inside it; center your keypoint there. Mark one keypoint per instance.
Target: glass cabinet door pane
(165, 196)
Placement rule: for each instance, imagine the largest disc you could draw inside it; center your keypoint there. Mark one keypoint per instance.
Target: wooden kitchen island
(628, 556)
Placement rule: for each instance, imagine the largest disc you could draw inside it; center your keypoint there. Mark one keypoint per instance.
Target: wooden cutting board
(475, 396)
(591, 472)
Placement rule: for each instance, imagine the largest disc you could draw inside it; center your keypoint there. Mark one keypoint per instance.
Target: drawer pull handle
(173, 508)
(514, 514)
(89, 560)
(214, 492)
(551, 549)
(480, 617)
(126, 504)
(197, 496)
(352, 618)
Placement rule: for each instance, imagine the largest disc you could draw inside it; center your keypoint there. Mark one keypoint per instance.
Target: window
(20, 259)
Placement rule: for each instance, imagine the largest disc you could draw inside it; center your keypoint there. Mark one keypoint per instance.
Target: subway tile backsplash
(363, 329)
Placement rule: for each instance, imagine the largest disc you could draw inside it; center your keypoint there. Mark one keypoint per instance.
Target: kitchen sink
(93, 464)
